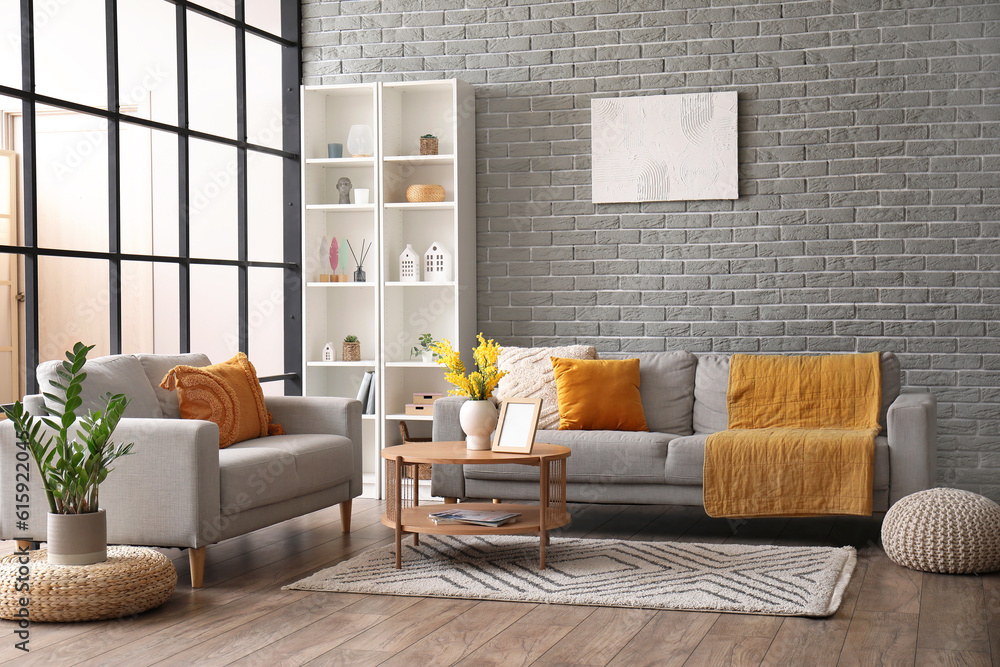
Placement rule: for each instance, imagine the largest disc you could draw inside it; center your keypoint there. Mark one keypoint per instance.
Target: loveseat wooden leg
(450, 500)
(196, 558)
(24, 545)
(345, 516)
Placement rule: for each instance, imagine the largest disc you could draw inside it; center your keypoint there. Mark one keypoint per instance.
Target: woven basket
(424, 193)
(944, 530)
(428, 146)
(352, 352)
(132, 580)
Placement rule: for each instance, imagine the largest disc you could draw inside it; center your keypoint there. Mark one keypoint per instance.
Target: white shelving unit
(387, 315)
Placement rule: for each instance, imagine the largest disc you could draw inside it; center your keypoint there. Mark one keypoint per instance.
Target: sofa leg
(24, 545)
(450, 500)
(196, 558)
(497, 501)
(345, 516)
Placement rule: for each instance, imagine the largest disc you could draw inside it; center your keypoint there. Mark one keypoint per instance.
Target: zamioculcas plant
(77, 458)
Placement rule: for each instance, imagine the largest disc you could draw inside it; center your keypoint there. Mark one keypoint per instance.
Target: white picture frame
(518, 421)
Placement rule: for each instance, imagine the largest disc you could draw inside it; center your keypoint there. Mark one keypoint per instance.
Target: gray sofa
(177, 488)
(684, 399)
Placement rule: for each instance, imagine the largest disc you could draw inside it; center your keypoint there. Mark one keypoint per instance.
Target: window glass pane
(264, 14)
(213, 200)
(72, 175)
(137, 307)
(211, 76)
(166, 309)
(73, 305)
(264, 117)
(264, 211)
(70, 46)
(214, 311)
(149, 184)
(10, 43)
(147, 59)
(265, 323)
(227, 7)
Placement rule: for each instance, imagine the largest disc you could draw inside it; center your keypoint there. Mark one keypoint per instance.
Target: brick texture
(869, 209)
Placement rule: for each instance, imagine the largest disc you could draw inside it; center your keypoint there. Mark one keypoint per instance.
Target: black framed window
(157, 181)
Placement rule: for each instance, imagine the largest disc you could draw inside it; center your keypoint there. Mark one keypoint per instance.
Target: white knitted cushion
(530, 375)
(944, 530)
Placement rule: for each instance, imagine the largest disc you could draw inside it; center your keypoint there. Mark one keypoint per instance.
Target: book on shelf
(369, 408)
(363, 390)
(478, 518)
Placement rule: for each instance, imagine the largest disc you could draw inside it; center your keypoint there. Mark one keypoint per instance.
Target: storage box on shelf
(387, 312)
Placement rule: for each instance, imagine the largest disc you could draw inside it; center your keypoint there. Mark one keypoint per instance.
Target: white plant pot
(427, 357)
(77, 539)
(478, 419)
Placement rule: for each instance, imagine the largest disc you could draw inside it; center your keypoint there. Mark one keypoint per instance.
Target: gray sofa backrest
(712, 381)
(666, 387)
(137, 376)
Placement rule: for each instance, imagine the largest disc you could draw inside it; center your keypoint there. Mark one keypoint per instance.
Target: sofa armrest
(912, 434)
(322, 414)
(447, 480)
(165, 493)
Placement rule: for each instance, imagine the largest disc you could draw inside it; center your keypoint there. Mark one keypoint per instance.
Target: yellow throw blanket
(801, 438)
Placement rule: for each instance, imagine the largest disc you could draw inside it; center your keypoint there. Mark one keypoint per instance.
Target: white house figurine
(437, 264)
(409, 265)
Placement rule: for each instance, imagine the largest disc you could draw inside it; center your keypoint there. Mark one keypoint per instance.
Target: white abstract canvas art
(664, 148)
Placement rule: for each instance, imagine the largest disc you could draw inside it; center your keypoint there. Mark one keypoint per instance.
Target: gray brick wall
(869, 179)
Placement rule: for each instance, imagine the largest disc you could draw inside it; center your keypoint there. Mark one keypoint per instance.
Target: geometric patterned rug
(739, 578)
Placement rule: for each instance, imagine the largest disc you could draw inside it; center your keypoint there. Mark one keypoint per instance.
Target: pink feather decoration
(334, 254)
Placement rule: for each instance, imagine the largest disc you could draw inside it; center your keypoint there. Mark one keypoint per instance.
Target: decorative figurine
(344, 188)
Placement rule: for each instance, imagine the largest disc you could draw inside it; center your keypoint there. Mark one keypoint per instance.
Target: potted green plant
(428, 144)
(352, 349)
(74, 456)
(424, 350)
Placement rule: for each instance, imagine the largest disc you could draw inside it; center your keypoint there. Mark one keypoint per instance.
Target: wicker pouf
(132, 580)
(944, 530)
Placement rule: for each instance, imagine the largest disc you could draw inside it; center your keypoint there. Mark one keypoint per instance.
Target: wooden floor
(890, 615)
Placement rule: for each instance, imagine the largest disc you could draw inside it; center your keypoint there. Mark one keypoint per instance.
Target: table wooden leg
(399, 512)
(416, 498)
(543, 505)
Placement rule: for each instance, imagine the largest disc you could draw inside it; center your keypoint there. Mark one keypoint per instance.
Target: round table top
(457, 452)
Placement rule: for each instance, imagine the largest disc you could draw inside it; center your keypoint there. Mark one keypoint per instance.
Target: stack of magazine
(366, 393)
(478, 518)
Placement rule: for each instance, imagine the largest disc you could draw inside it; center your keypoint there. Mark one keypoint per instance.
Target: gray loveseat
(177, 488)
(684, 399)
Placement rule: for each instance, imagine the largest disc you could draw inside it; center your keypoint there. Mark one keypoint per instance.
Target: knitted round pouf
(132, 580)
(944, 530)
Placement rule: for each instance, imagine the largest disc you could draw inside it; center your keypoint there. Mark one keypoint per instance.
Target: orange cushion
(597, 395)
(228, 394)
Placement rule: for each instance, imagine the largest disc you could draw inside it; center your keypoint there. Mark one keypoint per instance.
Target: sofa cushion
(156, 367)
(584, 385)
(529, 375)
(599, 457)
(259, 472)
(666, 384)
(712, 382)
(228, 394)
(686, 461)
(115, 374)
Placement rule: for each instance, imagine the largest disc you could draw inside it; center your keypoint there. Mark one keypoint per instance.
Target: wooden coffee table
(405, 514)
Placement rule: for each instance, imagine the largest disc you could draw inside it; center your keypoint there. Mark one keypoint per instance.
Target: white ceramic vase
(478, 419)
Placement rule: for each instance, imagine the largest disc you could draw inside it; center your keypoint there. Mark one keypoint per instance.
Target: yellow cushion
(228, 394)
(598, 395)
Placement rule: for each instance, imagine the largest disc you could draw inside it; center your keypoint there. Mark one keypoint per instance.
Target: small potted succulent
(428, 145)
(424, 350)
(352, 349)
(73, 456)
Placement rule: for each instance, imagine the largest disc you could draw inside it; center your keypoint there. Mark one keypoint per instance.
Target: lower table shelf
(416, 520)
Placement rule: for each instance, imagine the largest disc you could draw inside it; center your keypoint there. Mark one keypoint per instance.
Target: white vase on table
(478, 419)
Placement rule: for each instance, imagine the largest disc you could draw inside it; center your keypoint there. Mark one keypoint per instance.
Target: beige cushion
(254, 473)
(115, 374)
(530, 375)
(156, 366)
(712, 382)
